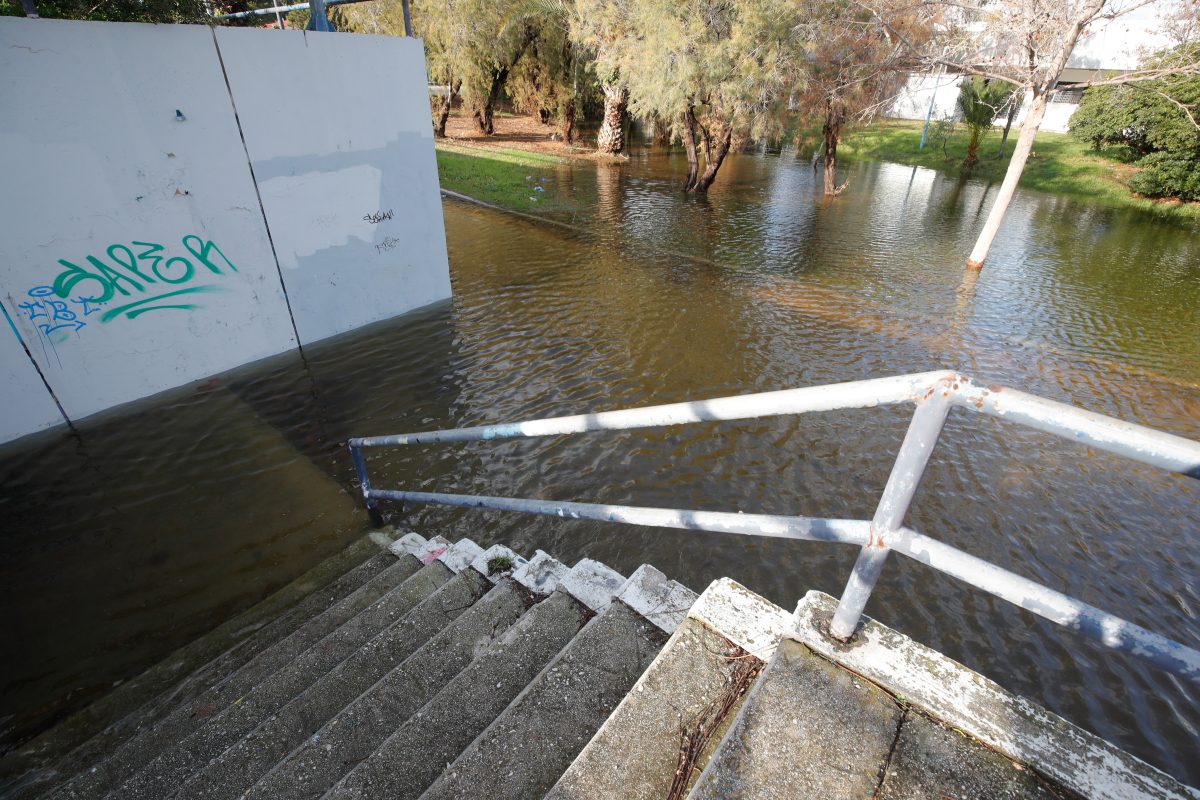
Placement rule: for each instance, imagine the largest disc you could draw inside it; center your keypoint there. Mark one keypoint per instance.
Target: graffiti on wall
(378, 217)
(138, 277)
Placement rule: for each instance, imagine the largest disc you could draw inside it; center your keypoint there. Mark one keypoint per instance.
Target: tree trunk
(661, 132)
(439, 124)
(1013, 107)
(972, 149)
(1029, 130)
(689, 147)
(832, 131)
(483, 116)
(1016, 166)
(567, 124)
(715, 150)
(611, 138)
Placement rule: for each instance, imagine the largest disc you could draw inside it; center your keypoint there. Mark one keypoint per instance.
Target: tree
(854, 66)
(980, 102)
(1025, 43)
(552, 78)
(471, 46)
(598, 26)
(718, 69)
(113, 10)
(1156, 121)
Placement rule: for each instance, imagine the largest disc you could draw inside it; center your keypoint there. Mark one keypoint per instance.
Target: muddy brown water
(159, 520)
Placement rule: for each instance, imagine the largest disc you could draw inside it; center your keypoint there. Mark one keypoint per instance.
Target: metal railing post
(902, 483)
(364, 484)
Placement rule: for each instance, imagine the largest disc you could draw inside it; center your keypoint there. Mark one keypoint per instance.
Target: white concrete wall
(28, 406)
(913, 100)
(135, 254)
(344, 140)
(913, 103)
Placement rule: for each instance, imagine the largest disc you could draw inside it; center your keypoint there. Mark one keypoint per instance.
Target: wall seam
(258, 195)
(41, 374)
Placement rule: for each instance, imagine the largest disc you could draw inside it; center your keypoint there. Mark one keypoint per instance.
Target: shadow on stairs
(428, 669)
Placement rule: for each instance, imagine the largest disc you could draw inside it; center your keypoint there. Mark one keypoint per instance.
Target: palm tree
(980, 102)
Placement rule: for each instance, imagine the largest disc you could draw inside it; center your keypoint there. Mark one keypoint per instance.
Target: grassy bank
(1060, 164)
(524, 180)
(516, 179)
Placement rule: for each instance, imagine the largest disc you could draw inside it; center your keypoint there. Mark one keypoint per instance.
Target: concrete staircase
(430, 669)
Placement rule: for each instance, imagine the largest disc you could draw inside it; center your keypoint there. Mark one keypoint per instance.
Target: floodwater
(155, 523)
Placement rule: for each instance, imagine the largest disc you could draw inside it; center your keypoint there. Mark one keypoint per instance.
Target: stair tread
(413, 756)
(186, 717)
(241, 765)
(807, 729)
(636, 752)
(174, 764)
(103, 726)
(929, 760)
(525, 750)
(358, 730)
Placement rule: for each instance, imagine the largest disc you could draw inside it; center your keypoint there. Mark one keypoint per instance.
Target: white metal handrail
(934, 394)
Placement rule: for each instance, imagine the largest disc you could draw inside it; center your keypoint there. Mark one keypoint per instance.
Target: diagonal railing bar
(934, 394)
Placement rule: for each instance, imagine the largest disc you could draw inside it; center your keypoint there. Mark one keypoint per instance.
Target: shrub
(1168, 174)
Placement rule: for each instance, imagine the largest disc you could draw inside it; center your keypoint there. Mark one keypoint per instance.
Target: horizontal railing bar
(1113, 631)
(855, 394)
(845, 531)
(1127, 439)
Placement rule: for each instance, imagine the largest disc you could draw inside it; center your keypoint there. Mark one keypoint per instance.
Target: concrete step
(663, 732)
(931, 760)
(184, 719)
(378, 632)
(438, 679)
(356, 732)
(412, 758)
(438, 620)
(525, 750)
(103, 726)
(807, 729)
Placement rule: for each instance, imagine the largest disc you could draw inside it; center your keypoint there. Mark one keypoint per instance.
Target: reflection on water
(156, 523)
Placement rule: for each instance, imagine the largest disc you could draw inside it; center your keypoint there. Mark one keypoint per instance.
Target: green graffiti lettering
(138, 307)
(130, 263)
(73, 274)
(136, 272)
(114, 277)
(150, 254)
(202, 248)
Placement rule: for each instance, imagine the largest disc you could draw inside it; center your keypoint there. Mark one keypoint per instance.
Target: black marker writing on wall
(378, 217)
(387, 244)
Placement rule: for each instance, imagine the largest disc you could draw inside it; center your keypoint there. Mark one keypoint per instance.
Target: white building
(1113, 48)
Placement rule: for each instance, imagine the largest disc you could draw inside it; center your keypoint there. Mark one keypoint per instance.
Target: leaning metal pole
(902, 483)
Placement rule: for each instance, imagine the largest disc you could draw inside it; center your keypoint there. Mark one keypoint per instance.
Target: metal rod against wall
(408, 30)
